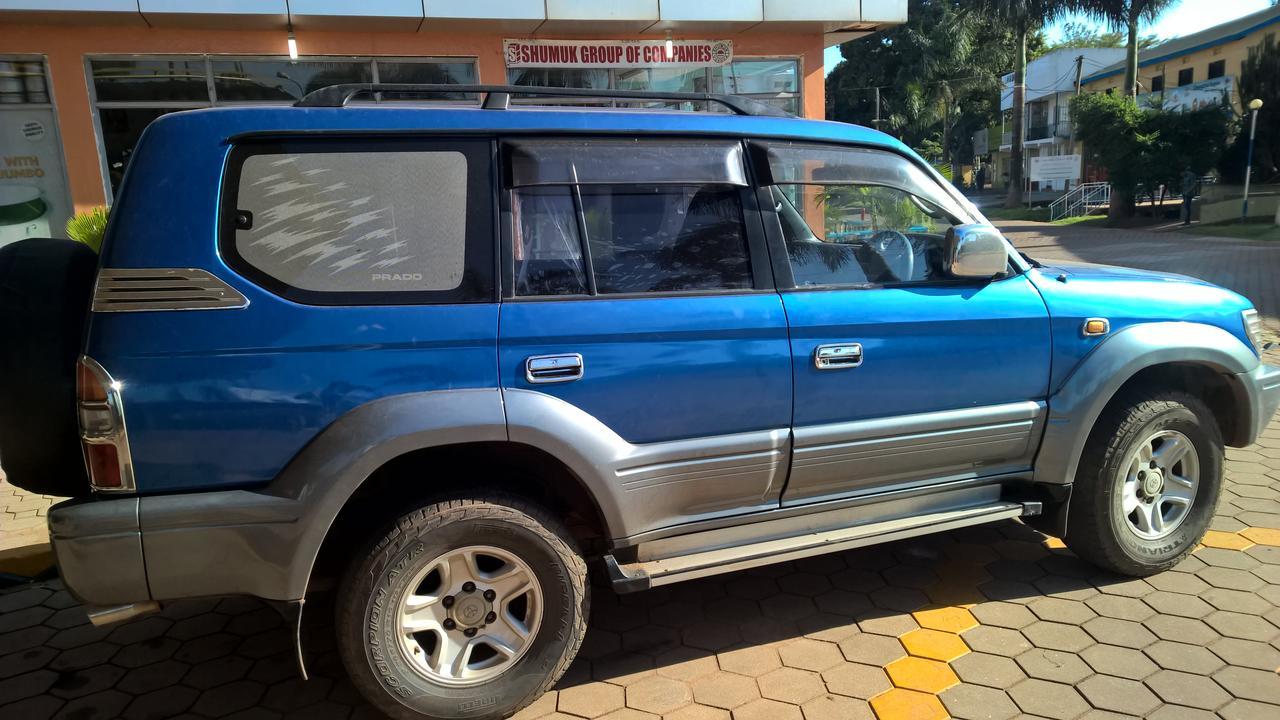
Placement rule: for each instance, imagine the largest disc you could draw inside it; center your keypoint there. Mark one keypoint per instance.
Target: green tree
(1110, 126)
(1260, 79)
(1088, 35)
(1125, 15)
(1023, 18)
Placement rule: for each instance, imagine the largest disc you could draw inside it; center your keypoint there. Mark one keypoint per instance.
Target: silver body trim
(142, 289)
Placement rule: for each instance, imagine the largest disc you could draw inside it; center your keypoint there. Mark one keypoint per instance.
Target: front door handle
(837, 357)
(541, 369)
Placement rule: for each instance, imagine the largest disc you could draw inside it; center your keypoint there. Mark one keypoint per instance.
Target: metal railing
(1081, 200)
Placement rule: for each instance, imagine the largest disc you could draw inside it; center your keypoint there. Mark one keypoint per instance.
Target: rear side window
(625, 217)
(355, 223)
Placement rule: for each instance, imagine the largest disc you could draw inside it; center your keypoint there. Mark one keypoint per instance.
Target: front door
(639, 292)
(903, 376)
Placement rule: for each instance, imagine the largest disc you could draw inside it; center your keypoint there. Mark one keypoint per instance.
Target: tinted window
(666, 238)
(641, 238)
(364, 221)
(246, 80)
(1217, 69)
(1186, 76)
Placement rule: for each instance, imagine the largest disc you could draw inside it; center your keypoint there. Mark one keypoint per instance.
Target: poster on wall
(1216, 91)
(33, 188)
(616, 53)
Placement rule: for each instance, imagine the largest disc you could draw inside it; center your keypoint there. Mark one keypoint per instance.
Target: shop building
(80, 79)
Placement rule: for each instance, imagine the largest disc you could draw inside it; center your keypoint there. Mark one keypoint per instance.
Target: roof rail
(498, 97)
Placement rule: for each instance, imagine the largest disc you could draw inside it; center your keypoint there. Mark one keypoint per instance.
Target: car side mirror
(976, 251)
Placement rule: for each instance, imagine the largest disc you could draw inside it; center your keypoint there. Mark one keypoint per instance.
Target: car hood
(1113, 273)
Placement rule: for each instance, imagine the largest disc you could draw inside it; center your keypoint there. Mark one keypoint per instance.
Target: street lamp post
(1254, 106)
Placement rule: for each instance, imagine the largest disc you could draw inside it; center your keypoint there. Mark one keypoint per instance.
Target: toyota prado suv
(443, 359)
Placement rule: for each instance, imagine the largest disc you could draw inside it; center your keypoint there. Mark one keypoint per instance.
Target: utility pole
(1071, 134)
(876, 122)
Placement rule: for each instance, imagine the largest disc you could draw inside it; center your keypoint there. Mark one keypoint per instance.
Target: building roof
(1054, 72)
(1187, 44)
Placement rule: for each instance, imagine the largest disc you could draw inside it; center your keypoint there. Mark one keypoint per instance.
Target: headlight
(1253, 328)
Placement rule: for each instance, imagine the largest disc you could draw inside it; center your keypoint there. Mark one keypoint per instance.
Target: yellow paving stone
(934, 644)
(1054, 543)
(913, 673)
(1262, 536)
(946, 619)
(1225, 540)
(899, 704)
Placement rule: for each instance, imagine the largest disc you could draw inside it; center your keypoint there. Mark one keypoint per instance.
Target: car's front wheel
(467, 608)
(1147, 483)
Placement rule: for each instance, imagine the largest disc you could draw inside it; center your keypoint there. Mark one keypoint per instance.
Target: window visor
(625, 161)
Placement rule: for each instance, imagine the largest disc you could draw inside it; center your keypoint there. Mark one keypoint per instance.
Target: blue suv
(449, 355)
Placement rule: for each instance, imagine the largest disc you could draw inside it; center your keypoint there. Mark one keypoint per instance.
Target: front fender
(1075, 406)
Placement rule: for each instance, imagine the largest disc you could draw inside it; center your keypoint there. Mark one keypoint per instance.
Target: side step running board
(644, 575)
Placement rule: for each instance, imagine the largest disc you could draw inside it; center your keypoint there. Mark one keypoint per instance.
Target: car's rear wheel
(467, 608)
(1147, 484)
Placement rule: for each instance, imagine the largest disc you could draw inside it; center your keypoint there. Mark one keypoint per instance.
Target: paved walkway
(989, 622)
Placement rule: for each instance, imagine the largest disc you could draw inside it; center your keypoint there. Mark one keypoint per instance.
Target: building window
(774, 81)
(130, 92)
(1157, 84)
(1217, 69)
(1186, 76)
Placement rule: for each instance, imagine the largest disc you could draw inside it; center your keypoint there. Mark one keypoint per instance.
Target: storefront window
(773, 81)
(130, 92)
(34, 202)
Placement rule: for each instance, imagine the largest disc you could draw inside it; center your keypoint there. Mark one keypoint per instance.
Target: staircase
(1082, 199)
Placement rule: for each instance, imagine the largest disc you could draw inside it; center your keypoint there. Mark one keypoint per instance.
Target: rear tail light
(102, 430)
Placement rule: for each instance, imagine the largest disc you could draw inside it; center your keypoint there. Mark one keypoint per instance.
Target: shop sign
(33, 197)
(616, 53)
(1216, 91)
(1054, 167)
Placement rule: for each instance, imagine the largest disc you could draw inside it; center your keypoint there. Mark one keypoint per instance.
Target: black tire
(1097, 529)
(369, 644)
(44, 303)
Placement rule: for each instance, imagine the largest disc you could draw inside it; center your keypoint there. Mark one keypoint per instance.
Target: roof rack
(498, 97)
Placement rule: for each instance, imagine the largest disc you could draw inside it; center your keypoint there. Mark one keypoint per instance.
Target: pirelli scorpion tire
(1147, 483)
(468, 608)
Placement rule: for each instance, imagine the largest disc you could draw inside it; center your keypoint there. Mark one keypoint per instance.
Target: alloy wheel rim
(1158, 484)
(469, 615)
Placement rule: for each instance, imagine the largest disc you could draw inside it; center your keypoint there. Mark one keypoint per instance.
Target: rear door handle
(542, 369)
(837, 357)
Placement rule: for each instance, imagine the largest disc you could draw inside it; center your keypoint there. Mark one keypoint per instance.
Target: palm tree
(1023, 17)
(1125, 15)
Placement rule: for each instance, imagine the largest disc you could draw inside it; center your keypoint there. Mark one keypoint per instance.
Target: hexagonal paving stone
(712, 635)
(698, 712)
(229, 698)
(1118, 695)
(1121, 608)
(685, 663)
(1239, 625)
(1048, 699)
(809, 654)
(1250, 684)
(997, 641)
(1119, 661)
(1182, 688)
(879, 621)
(1180, 629)
(1124, 633)
(767, 710)
(975, 701)
(750, 660)
(787, 607)
(658, 695)
(1003, 614)
(872, 649)
(724, 690)
(1247, 653)
(835, 707)
(855, 680)
(934, 644)
(946, 619)
(1169, 603)
(1053, 665)
(1057, 636)
(1181, 656)
(591, 700)
(623, 668)
(791, 685)
(899, 704)
(1059, 610)
(915, 673)
(991, 670)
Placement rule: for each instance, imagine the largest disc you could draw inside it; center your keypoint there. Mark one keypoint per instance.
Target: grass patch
(1252, 230)
(1040, 214)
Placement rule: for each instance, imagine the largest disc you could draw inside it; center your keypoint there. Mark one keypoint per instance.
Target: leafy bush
(88, 227)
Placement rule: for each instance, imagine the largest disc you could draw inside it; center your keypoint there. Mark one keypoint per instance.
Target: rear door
(638, 290)
(904, 376)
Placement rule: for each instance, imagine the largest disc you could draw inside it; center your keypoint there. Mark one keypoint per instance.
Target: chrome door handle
(541, 369)
(837, 357)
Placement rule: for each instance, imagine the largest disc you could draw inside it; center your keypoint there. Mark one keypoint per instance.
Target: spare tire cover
(45, 288)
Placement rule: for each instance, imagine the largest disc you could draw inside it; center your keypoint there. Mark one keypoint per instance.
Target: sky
(1184, 17)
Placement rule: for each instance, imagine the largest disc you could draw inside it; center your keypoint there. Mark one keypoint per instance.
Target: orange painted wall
(66, 46)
